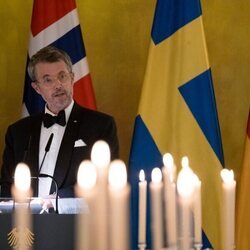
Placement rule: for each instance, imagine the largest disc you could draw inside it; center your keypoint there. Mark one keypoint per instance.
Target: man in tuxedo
(75, 129)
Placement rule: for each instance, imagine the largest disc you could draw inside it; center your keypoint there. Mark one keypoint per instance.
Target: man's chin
(62, 105)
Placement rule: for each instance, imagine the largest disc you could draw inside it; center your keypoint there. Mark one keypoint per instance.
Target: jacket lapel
(67, 146)
(33, 154)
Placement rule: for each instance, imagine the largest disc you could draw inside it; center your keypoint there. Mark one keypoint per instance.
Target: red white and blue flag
(56, 23)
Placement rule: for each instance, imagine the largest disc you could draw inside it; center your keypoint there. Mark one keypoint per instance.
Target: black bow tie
(49, 120)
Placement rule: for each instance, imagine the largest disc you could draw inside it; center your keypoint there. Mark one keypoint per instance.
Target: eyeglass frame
(54, 78)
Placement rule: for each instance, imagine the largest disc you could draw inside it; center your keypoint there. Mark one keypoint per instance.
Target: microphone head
(49, 143)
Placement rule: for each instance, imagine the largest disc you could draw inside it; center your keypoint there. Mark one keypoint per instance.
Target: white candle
(21, 192)
(170, 199)
(119, 206)
(142, 209)
(185, 190)
(22, 180)
(197, 211)
(86, 178)
(85, 188)
(156, 208)
(228, 209)
(100, 156)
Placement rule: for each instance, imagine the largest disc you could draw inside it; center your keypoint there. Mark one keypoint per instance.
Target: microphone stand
(47, 148)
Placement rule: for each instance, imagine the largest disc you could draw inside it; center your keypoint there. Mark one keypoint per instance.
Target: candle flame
(185, 162)
(117, 174)
(100, 154)
(156, 175)
(142, 175)
(185, 181)
(227, 175)
(22, 177)
(86, 176)
(168, 160)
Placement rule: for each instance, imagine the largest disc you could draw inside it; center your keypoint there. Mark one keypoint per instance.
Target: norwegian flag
(56, 23)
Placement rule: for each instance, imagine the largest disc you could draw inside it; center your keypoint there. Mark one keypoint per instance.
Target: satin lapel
(67, 146)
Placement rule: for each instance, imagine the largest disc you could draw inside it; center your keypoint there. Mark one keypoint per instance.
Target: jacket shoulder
(25, 122)
(92, 113)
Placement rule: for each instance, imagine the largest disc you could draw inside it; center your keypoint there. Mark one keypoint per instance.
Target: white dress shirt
(44, 184)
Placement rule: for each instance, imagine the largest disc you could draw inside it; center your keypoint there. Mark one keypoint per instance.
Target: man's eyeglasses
(50, 80)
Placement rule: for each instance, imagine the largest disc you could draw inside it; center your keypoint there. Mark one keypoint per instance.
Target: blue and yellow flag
(177, 111)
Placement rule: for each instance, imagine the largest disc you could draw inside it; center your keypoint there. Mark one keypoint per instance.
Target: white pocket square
(80, 143)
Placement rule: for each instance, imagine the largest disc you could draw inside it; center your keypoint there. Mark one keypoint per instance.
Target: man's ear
(35, 87)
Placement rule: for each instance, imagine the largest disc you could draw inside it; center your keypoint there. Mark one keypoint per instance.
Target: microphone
(47, 148)
(27, 150)
(56, 185)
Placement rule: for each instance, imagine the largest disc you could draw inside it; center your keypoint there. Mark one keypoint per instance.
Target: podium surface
(49, 231)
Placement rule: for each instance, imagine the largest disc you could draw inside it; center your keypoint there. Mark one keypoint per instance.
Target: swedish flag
(177, 110)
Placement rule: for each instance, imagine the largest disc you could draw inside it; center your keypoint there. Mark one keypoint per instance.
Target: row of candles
(103, 184)
(177, 205)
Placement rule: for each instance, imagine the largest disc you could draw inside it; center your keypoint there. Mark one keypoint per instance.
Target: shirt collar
(67, 110)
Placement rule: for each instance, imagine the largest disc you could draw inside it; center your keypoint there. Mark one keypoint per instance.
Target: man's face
(55, 84)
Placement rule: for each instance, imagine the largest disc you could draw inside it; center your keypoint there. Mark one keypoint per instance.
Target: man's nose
(57, 82)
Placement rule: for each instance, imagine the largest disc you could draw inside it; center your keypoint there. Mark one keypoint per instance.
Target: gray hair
(48, 54)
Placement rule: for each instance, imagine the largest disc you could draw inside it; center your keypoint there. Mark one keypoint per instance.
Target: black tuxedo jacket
(22, 145)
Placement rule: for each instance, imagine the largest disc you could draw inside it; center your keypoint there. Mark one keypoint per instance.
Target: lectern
(49, 231)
